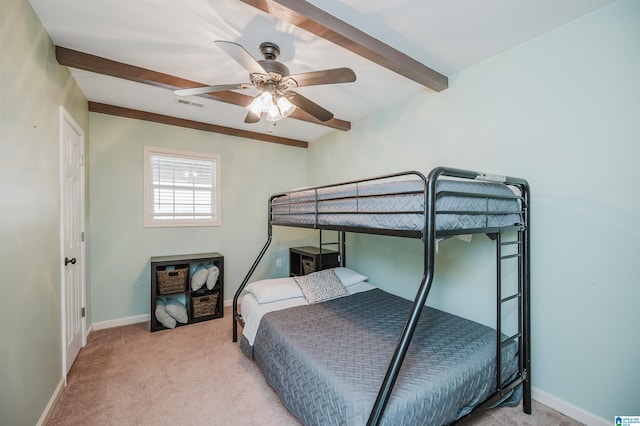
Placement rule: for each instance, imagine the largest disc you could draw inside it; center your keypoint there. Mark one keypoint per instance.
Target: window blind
(183, 189)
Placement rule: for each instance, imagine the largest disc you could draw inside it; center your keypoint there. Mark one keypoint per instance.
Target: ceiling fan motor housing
(269, 50)
(276, 70)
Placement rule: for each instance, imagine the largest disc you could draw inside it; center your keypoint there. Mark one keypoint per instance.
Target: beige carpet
(193, 375)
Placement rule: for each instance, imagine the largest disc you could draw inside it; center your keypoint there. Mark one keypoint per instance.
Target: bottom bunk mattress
(328, 360)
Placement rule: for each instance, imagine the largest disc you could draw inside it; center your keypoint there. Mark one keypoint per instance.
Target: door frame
(66, 117)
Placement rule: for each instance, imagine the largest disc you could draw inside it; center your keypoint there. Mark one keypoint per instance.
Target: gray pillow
(177, 310)
(320, 286)
(199, 278)
(162, 315)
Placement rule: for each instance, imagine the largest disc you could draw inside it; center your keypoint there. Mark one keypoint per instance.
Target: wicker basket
(174, 281)
(308, 266)
(204, 305)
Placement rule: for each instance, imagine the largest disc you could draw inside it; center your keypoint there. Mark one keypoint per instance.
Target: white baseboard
(130, 320)
(568, 409)
(52, 402)
(119, 322)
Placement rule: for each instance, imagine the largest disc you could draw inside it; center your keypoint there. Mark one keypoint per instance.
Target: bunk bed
(327, 377)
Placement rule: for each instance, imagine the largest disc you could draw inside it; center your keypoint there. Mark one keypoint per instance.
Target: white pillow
(177, 310)
(214, 272)
(199, 278)
(320, 286)
(161, 314)
(274, 289)
(349, 276)
(360, 287)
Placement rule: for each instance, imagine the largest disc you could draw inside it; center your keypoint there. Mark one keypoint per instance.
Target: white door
(72, 219)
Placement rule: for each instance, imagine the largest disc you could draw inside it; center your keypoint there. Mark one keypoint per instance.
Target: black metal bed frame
(429, 236)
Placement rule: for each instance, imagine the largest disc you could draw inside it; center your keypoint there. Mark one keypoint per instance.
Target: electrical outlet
(278, 263)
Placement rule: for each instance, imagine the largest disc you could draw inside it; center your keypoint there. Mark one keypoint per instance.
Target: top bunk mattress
(400, 205)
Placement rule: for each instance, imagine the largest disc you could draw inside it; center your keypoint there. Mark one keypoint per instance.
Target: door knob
(69, 261)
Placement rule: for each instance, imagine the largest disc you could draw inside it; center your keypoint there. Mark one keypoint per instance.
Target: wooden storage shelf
(202, 304)
(304, 260)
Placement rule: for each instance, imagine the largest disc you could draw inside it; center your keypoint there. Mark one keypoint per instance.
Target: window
(181, 188)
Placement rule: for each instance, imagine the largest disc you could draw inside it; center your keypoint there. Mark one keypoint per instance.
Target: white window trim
(148, 192)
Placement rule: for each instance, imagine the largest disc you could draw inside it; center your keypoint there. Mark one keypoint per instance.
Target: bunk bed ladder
(341, 244)
(500, 342)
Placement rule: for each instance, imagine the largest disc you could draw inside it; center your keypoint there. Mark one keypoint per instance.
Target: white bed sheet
(252, 311)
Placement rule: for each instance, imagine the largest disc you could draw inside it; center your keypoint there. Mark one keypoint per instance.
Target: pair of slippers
(171, 311)
(204, 275)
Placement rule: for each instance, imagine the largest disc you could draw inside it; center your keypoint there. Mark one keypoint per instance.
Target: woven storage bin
(204, 305)
(172, 281)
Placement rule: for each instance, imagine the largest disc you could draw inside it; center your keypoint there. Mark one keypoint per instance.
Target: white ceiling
(176, 38)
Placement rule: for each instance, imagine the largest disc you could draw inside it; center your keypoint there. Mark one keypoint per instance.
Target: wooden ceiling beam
(190, 124)
(316, 21)
(85, 61)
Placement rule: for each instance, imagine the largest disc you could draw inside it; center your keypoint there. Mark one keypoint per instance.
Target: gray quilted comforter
(327, 361)
(400, 206)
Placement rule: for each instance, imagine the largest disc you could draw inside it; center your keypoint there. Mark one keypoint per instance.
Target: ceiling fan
(277, 99)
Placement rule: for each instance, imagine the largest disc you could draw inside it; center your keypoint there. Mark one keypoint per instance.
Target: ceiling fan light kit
(285, 107)
(275, 105)
(277, 100)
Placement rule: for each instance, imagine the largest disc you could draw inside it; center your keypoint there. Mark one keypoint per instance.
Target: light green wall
(32, 87)
(560, 111)
(563, 112)
(121, 246)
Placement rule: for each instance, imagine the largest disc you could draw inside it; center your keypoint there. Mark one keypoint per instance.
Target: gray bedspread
(327, 361)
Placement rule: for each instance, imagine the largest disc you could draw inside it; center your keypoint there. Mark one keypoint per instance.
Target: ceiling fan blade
(332, 76)
(241, 56)
(309, 106)
(252, 118)
(211, 89)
